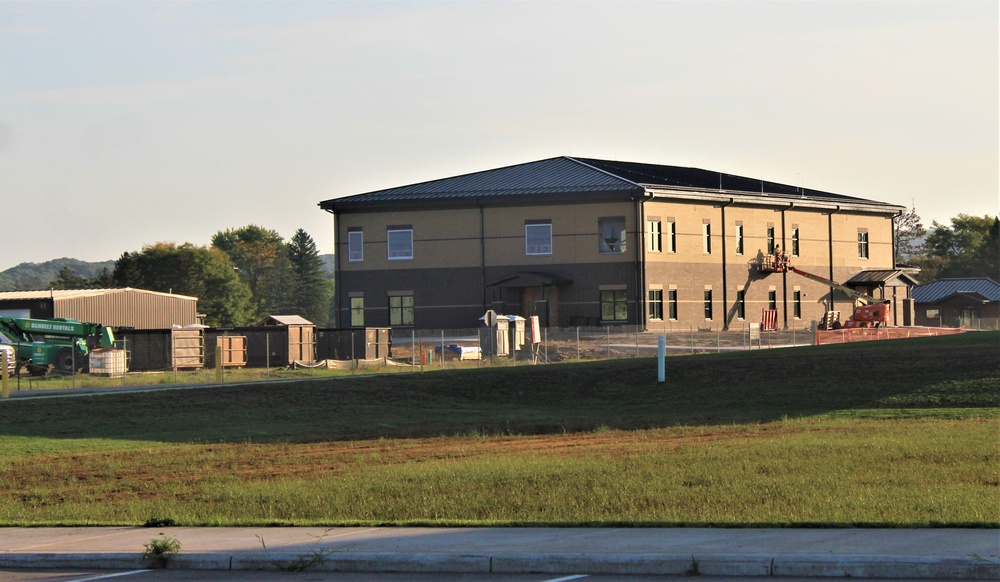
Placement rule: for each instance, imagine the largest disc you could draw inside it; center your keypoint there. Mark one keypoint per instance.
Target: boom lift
(46, 344)
(874, 314)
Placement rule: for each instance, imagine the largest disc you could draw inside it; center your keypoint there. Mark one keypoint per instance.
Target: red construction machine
(874, 314)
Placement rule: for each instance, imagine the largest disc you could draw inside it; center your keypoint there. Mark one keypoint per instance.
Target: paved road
(972, 554)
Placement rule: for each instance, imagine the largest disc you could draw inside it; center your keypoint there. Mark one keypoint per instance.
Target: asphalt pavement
(968, 554)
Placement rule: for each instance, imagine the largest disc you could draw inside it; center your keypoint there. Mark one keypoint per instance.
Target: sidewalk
(972, 554)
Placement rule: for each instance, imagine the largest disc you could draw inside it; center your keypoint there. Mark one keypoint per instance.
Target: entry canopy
(529, 279)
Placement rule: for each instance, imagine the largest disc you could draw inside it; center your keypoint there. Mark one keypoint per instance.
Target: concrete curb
(649, 564)
(885, 567)
(362, 562)
(801, 565)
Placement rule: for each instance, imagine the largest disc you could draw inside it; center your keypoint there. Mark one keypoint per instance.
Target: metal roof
(937, 291)
(285, 320)
(882, 276)
(58, 294)
(567, 175)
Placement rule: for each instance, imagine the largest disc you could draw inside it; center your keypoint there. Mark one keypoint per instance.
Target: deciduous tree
(202, 272)
(970, 247)
(260, 256)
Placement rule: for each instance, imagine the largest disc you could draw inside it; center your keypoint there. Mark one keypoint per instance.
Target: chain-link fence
(511, 346)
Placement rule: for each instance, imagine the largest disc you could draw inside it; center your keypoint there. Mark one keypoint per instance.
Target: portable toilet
(516, 327)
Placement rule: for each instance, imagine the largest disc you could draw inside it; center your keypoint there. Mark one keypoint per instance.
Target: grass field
(897, 433)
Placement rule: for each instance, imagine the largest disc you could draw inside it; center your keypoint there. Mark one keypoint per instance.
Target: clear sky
(128, 123)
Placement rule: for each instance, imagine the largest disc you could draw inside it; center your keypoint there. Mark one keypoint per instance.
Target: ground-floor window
(357, 311)
(741, 304)
(797, 304)
(672, 304)
(655, 304)
(772, 299)
(708, 304)
(614, 305)
(401, 310)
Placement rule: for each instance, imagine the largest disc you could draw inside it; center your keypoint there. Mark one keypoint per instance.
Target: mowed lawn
(895, 433)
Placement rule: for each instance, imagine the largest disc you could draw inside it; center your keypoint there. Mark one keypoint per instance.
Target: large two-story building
(582, 241)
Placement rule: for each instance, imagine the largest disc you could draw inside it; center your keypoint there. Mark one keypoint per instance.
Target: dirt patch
(109, 476)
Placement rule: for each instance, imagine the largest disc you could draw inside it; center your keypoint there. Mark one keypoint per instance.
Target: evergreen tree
(310, 291)
(68, 279)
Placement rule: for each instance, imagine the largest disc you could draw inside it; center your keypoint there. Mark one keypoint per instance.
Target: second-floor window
(706, 237)
(355, 246)
(770, 240)
(862, 244)
(739, 239)
(795, 241)
(671, 236)
(611, 234)
(400, 244)
(538, 239)
(655, 236)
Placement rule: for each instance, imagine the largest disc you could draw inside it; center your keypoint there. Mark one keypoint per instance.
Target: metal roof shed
(126, 307)
(300, 339)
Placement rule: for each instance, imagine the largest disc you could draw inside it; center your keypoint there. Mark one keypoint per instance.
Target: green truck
(60, 344)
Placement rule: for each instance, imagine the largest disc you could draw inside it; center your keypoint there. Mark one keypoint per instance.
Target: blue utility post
(661, 353)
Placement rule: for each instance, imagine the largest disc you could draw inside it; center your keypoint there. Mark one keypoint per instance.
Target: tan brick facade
(654, 257)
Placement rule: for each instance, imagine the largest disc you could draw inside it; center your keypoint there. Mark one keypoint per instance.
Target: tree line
(243, 276)
(968, 247)
(248, 273)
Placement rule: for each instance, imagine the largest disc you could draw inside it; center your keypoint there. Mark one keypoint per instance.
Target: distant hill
(329, 263)
(37, 276)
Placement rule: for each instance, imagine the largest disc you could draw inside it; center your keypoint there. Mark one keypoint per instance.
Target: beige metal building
(581, 241)
(118, 308)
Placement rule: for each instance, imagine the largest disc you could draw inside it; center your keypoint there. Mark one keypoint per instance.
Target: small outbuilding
(972, 302)
(300, 338)
(118, 308)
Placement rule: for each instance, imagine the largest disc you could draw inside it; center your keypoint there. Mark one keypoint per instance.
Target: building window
(538, 239)
(739, 239)
(741, 304)
(706, 237)
(770, 240)
(671, 236)
(357, 311)
(795, 241)
(672, 304)
(656, 304)
(708, 304)
(400, 244)
(932, 313)
(611, 237)
(797, 304)
(355, 245)
(862, 243)
(654, 236)
(772, 299)
(401, 310)
(614, 305)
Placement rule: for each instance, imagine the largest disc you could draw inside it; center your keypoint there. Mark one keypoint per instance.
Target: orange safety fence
(867, 334)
